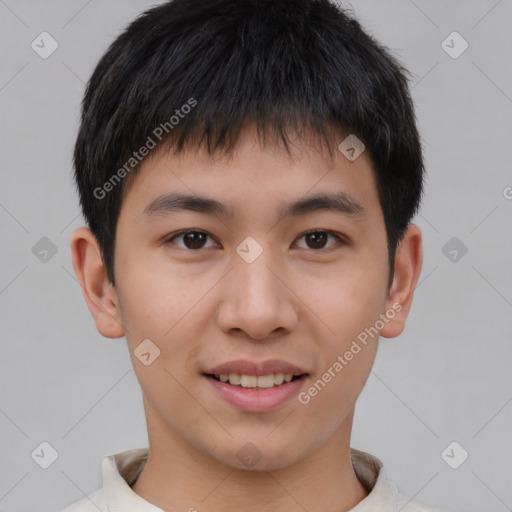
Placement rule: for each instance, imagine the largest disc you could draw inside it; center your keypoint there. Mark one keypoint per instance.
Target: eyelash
(340, 240)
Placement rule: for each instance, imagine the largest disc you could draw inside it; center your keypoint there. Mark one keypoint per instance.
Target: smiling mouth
(255, 382)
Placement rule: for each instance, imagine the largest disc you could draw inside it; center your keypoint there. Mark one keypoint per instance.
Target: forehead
(253, 173)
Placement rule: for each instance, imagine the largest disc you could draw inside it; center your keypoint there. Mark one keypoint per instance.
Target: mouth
(256, 393)
(256, 386)
(259, 382)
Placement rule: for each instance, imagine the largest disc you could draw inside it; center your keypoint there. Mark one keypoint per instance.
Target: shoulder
(405, 504)
(384, 495)
(91, 503)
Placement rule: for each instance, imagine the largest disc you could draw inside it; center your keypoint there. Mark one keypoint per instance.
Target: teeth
(265, 381)
(252, 381)
(234, 379)
(248, 381)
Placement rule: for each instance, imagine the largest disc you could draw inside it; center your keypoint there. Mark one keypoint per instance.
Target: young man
(248, 170)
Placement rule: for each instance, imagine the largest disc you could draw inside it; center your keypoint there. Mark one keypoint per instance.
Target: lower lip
(257, 400)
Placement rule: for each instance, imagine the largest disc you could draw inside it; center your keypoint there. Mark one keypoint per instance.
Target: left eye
(194, 240)
(319, 238)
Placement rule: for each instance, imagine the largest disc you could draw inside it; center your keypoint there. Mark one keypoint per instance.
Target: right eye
(192, 239)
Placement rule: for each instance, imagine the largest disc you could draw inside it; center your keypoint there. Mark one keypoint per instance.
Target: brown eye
(318, 239)
(192, 240)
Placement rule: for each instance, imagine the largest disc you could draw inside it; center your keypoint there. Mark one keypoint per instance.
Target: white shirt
(120, 470)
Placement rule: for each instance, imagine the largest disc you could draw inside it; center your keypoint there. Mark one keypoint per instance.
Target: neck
(178, 476)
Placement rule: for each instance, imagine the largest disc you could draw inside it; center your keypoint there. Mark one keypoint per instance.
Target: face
(254, 280)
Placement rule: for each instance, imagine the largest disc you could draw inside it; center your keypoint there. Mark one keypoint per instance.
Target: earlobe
(408, 263)
(99, 294)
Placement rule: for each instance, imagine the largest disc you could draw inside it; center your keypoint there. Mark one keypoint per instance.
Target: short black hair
(192, 72)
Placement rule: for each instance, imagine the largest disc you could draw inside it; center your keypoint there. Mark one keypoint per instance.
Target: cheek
(348, 352)
(349, 305)
(155, 297)
(159, 306)
(164, 305)
(349, 300)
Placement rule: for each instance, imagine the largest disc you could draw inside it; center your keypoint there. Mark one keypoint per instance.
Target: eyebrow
(339, 202)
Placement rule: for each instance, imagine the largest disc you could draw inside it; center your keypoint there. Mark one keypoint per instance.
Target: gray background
(445, 379)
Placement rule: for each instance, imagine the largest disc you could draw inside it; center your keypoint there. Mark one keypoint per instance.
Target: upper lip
(246, 367)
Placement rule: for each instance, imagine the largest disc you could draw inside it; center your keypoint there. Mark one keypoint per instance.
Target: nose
(257, 301)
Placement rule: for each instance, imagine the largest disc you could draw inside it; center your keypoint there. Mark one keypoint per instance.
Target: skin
(301, 301)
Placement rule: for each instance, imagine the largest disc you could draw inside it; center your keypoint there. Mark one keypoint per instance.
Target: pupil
(195, 239)
(316, 236)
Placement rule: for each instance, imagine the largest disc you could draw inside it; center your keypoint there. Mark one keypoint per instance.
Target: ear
(99, 294)
(408, 263)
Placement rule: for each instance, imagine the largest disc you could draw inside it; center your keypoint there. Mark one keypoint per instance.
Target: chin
(260, 454)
